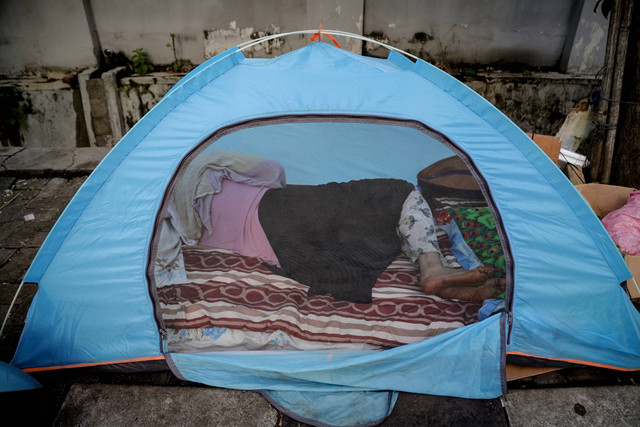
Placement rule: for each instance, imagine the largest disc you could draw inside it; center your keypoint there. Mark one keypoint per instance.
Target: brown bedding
(228, 293)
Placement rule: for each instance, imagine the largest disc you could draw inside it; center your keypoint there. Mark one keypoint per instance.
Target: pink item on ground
(624, 225)
(235, 223)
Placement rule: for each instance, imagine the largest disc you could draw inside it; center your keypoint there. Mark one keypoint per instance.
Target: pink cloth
(624, 225)
(235, 223)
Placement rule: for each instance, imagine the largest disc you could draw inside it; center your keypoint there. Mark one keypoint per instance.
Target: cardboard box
(633, 288)
(517, 372)
(549, 144)
(607, 198)
(604, 198)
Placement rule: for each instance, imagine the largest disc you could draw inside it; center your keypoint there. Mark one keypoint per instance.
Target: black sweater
(336, 238)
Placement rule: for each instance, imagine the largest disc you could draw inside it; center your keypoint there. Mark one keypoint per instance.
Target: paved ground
(32, 197)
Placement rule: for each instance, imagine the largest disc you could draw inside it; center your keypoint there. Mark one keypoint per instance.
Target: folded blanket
(335, 238)
(203, 177)
(188, 208)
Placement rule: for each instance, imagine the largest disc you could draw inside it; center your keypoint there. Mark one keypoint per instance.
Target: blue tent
(330, 115)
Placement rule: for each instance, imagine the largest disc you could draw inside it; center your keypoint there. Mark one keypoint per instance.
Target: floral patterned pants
(416, 227)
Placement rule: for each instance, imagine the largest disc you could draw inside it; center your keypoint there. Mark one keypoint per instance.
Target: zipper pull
(164, 335)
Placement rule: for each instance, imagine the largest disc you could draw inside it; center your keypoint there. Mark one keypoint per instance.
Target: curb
(26, 162)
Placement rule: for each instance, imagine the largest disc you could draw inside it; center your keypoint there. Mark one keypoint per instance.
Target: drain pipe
(93, 30)
(620, 21)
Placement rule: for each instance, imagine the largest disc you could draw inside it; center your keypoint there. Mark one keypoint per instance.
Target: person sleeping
(337, 238)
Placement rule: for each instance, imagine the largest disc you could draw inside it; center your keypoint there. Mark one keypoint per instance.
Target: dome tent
(331, 115)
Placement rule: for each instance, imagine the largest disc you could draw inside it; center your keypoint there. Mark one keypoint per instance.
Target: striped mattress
(232, 302)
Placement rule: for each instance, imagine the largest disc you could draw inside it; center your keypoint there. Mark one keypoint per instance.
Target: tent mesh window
(214, 298)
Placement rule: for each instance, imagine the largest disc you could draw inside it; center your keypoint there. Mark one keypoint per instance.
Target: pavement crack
(73, 160)
(9, 156)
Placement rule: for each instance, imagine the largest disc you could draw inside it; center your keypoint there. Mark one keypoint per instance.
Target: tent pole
(251, 43)
(6, 317)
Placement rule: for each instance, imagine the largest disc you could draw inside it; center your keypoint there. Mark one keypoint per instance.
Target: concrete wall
(39, 36)
(149, 24)
(585, 47)
(44, 36)
(530, 32)
(567, 35)
(51, 114)
(138, 94)
(537, 103)
(204, 28)
(90, 106)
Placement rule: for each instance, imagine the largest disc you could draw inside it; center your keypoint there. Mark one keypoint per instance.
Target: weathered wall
(537, 103)
(585, 47)
(204, 28)
(139, 94)
(41, 36)
(301, 15)
(55, 39)
(530, 32)
(46, 113)
(156, 20)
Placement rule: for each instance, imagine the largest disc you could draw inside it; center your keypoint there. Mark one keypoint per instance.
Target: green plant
(176, 64)
(141, 62)
(124, 88)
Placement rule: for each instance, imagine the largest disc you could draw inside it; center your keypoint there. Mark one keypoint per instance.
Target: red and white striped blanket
(227, 291)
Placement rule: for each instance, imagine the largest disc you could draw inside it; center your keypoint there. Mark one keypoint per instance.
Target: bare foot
(487, 290)
(469, 285)
(435, 278)
(451, 283)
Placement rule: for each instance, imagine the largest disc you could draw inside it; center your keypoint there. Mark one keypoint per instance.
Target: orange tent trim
(579, 362)
(86, 365)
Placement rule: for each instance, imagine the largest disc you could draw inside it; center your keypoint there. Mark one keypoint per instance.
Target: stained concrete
(103, 109)
(50, 161)
(535, 33)
(580, 406)
(424, 410)
(111, 405)
(49, 109)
